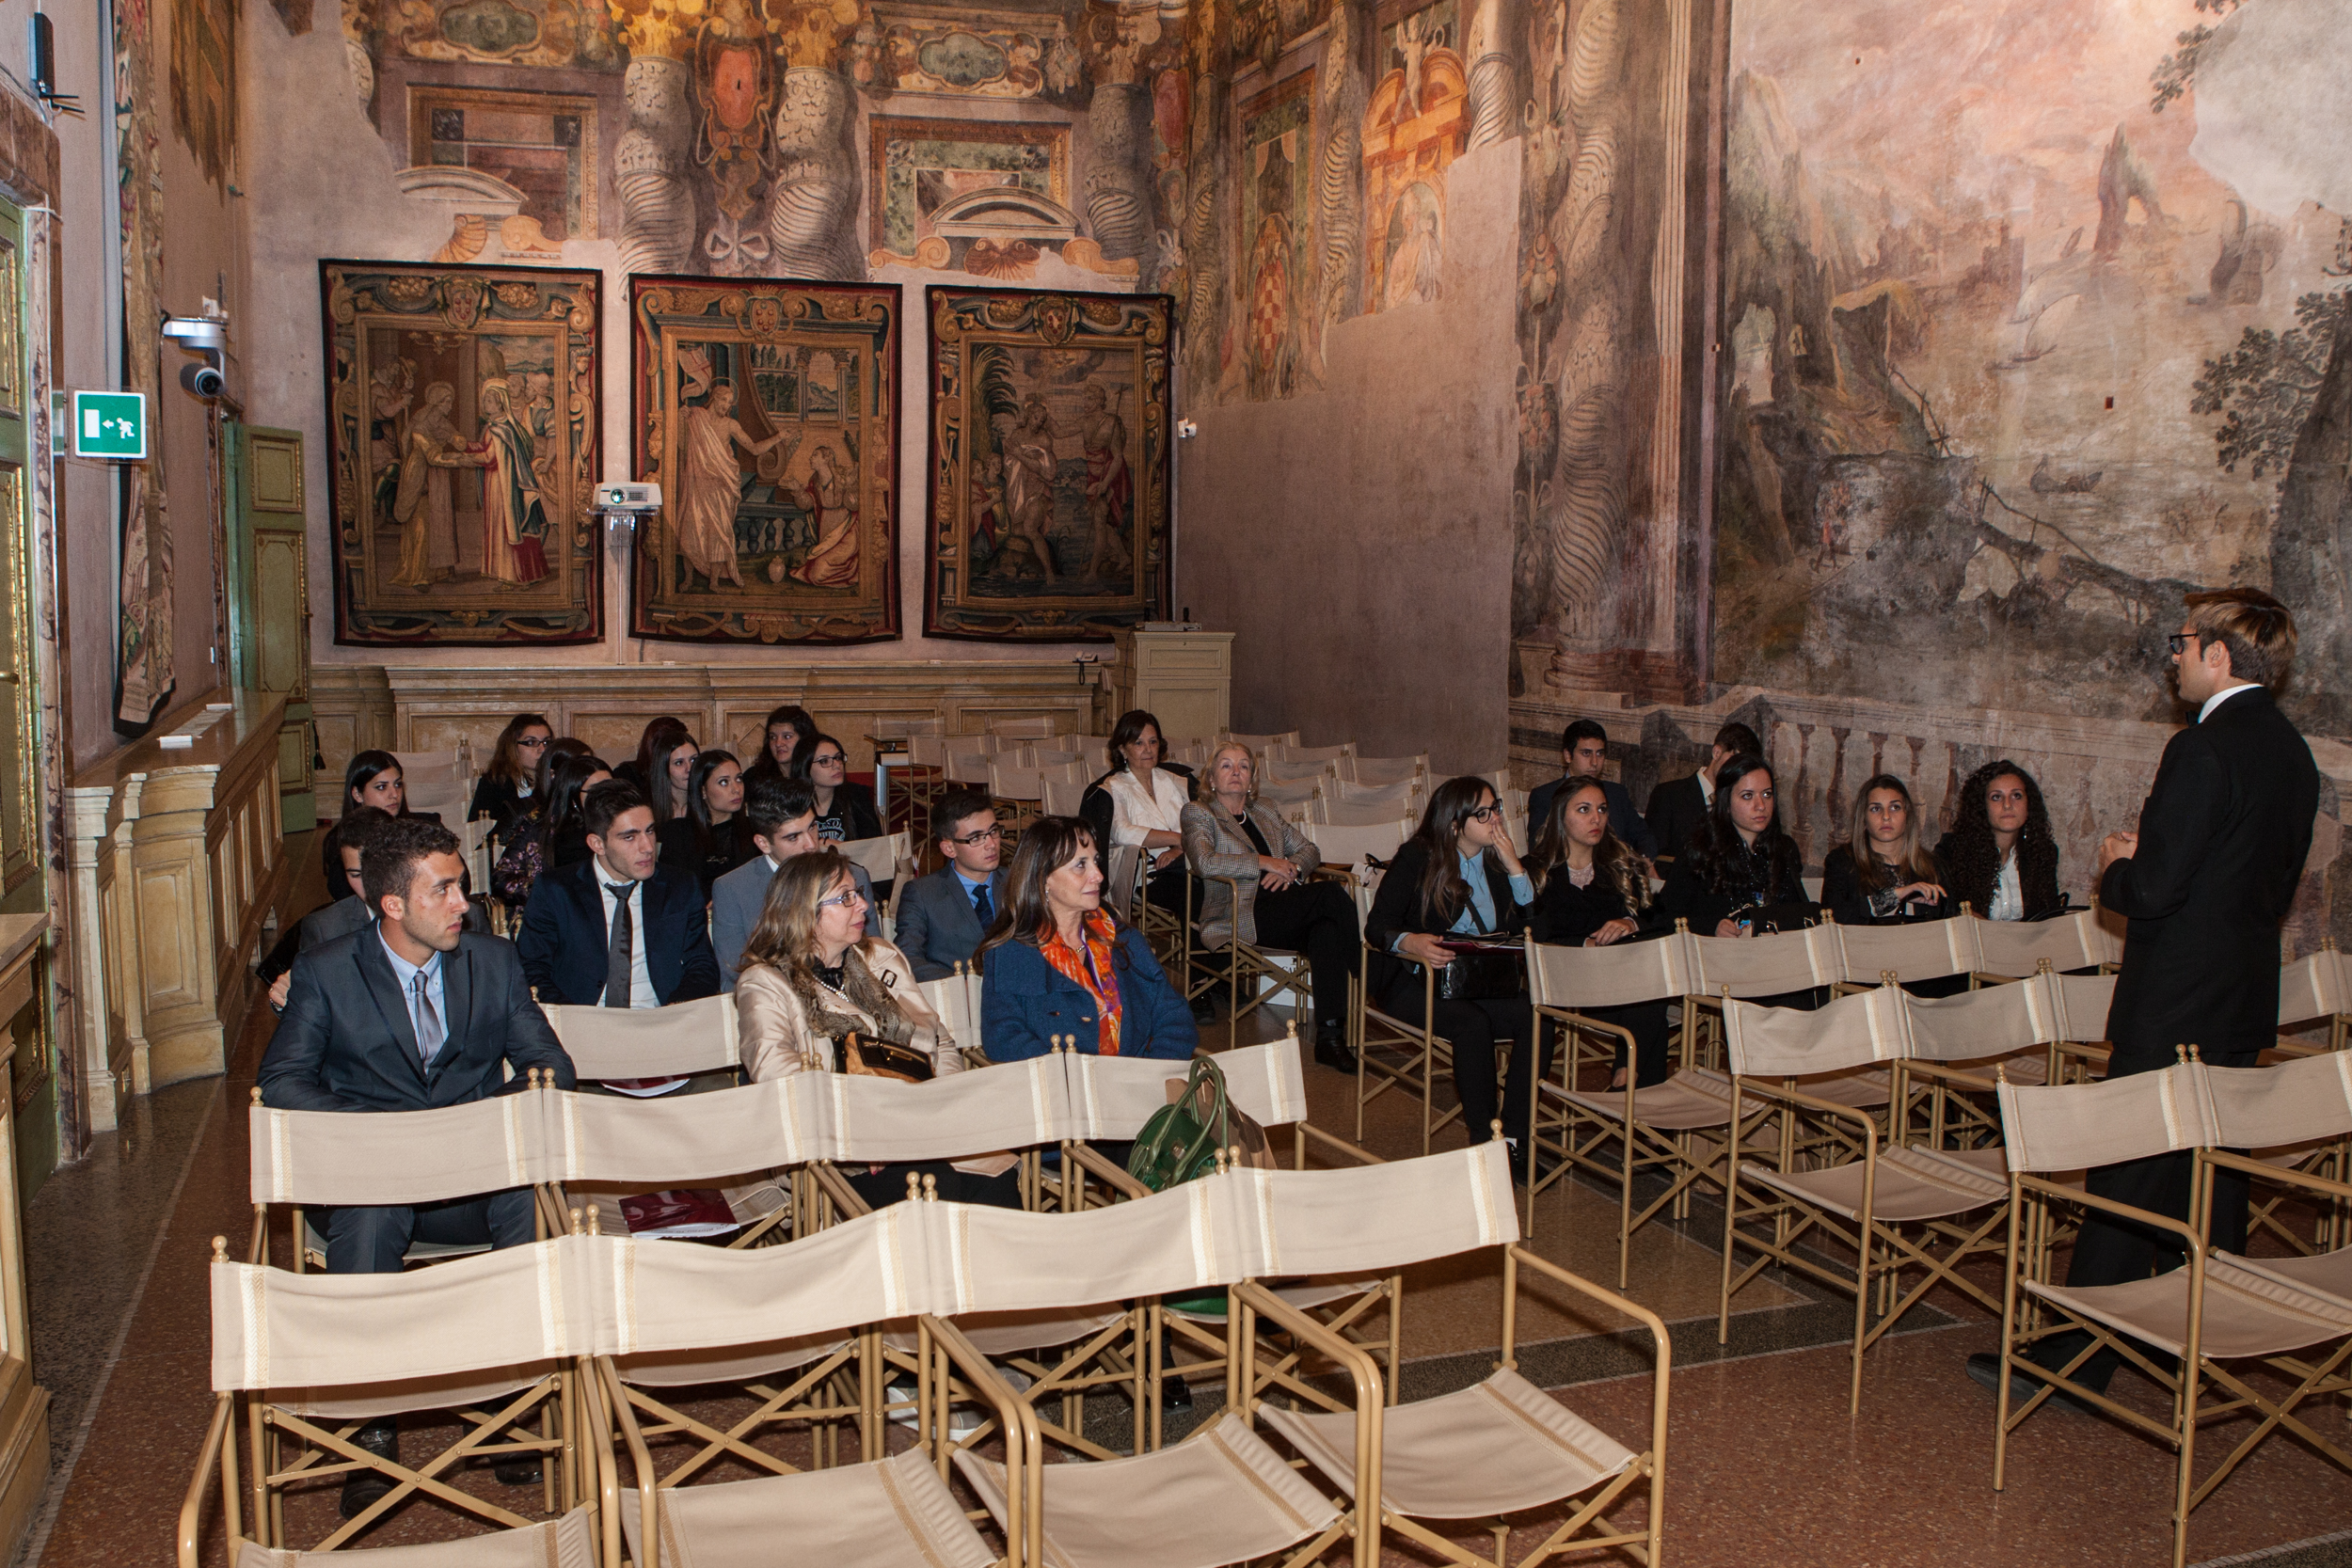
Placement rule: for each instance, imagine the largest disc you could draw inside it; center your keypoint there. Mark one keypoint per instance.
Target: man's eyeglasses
(2178, 642)
(972, 841)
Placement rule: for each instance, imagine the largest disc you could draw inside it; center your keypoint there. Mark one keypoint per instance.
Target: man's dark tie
(982, 907)
(427, 1021)
(619, 950)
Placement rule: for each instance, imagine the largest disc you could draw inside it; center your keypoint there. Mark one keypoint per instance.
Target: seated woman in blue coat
(1056, 962)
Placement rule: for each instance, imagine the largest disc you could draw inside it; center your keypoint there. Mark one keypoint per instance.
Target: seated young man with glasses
(943, 916)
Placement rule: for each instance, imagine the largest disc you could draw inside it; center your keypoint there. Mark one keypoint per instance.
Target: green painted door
(32, 1086)
(270, 621)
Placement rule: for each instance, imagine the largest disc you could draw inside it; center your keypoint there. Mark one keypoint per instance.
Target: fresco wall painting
(542, 144)
(979, 196)
(769, 415)
(1049, 464)
(462, 433)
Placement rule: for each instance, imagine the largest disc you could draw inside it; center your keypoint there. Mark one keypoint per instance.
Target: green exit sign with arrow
(109, 424)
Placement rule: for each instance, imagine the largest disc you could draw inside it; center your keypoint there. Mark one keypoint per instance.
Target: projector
(628, 497)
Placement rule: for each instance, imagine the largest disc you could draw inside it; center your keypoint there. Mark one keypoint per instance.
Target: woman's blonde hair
(785, 935)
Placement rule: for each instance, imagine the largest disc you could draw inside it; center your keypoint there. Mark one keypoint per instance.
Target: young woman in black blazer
(1595, 893)
(508, 786)
(1739, 860)
(713, 837)
(1883, 874)
(2000, 859)
(1429, 893)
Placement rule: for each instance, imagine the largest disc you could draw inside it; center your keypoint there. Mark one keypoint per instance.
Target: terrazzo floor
(1765, 1465)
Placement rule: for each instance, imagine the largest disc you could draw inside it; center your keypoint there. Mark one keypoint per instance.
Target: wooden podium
(1184, 678)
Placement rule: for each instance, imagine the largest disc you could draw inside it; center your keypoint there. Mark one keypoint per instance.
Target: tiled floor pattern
(1764, 1463)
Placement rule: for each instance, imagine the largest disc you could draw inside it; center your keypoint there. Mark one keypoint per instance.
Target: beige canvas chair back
(1768, 964)
(1575, 978)
(2073, 1126)
(1401, 795)
(1279, 772)
(1347, 844)
(1384, 770)
(2318, 985)
(1064, 799)
(1790, 1043)
(1008, 782)
(956, 998)
(1929, 950)
(2297, 1101)
(1112, 1097)
(2079, 941)
(1297, 754)
(966, 766)
(1975, 1025)
(1258, 742)
(1354, 814)
(926, 751)
(1047, 755)
(1120, 880)
(1025, 727)
(398, 1157)
(880, 858)
(648, 1042)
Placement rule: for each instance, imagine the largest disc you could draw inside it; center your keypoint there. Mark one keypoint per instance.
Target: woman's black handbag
(869, 1058)
(1483, 972)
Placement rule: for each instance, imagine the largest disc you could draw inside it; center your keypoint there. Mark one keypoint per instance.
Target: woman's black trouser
(1473, 1028)
(1647, 1022)
(1317, 919)
(883, 1187)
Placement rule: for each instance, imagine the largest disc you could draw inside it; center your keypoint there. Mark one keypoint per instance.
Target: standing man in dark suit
(619, 930)
(410, 1013)
(783, 815)
(941, 917)
(1584, 752)
(1678, 806)
(2204, 883)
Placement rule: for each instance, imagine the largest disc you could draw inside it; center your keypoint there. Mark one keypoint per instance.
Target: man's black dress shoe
(1175, 1394)
(1331, 1046)
(1985, 1367)
(516, 1472)
(362, 1488)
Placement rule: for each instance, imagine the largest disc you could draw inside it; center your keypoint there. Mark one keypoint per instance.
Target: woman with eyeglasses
(1254, 869)
(2000, 859)
(713, 837)
(1459, 876)
(508, 786)
(845, 810)
(811, 979)
(556, 837)
(1059, 965)
(1883, 874)
(1594, 892)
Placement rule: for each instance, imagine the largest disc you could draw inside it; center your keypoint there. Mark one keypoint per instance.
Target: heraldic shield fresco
(462, 436)
(767, 414)
(1049, 464)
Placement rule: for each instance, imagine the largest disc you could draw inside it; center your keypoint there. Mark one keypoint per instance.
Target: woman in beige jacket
(810, 977)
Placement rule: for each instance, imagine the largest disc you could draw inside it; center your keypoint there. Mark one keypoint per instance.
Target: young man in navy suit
(942, 917)
(619, 930)
(409, 1013)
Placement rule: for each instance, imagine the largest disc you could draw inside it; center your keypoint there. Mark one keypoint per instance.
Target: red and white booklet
(680, 1213)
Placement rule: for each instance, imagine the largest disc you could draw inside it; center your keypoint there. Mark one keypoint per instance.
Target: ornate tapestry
(144, 673)
(1048, 463)
(462, 439)
(768, 413)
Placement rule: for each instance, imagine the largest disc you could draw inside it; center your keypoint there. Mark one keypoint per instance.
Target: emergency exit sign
(109, 424)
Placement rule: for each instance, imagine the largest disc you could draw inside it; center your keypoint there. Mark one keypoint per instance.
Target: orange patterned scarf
(1092, 970)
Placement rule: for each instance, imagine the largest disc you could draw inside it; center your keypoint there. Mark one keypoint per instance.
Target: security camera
(205, 380)
(198, 334)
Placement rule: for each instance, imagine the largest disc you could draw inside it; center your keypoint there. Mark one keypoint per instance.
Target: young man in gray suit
(783, 814)
(409, 1013)
(941, 917)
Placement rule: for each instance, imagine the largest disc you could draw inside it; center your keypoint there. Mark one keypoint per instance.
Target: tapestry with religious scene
(767, 414)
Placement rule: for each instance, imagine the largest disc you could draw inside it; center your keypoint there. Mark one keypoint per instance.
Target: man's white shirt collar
(2220, 697)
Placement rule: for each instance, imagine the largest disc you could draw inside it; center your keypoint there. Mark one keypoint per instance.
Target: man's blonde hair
(2253, 626)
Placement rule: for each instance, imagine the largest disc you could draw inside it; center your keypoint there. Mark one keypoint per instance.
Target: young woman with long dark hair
(784, 734)
(1740, 861)
(845, 810)
(713, 838)
(511, 782)
(556, 837)
(373, 779)
(1594, 892)
(2001, 857)
(1458, 876)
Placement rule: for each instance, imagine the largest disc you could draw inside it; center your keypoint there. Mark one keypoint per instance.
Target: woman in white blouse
(1148, 806)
